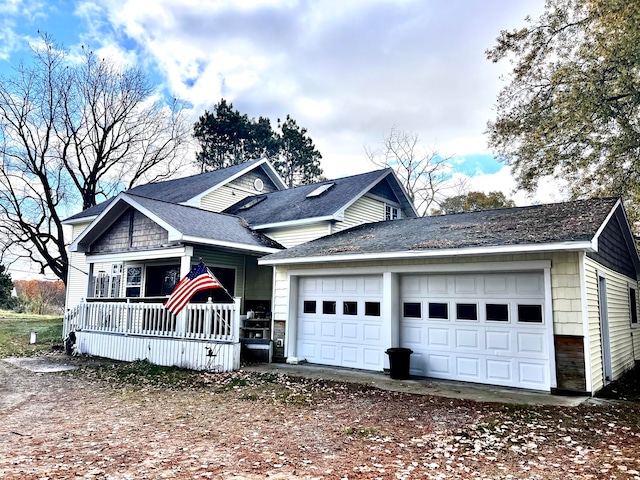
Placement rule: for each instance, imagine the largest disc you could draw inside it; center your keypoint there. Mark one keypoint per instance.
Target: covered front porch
(203, 336)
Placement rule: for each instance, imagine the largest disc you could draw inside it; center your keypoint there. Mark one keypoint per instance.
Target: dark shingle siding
(613, 251)
(195, 222)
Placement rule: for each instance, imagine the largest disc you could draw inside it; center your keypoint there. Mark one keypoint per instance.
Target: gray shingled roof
(540, 224)
(293, 204)
(178, 190)
(194, 222)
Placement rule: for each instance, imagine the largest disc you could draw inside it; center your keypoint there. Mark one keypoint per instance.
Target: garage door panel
(531, 344)
(494, 347)
(411, 335)
(530, 284)
(328, 353)
(349, 331)
(418, 364)
(438, 337)
(328, 329)
(468, 368)
(467, 339)
(342, 336)
(467, 285)
(308, 328)
(372, 357)
(499, 371)
(498, 340)
(372, 333)
(439, 365)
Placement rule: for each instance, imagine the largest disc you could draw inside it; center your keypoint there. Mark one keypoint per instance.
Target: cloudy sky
(348, 71)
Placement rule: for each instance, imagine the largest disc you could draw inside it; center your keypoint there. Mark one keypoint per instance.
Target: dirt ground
(104, 423)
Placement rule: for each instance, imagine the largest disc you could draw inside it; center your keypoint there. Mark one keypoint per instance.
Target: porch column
(390, 312)
(185, 267)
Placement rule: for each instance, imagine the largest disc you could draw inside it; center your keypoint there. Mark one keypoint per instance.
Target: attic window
(252, 202)
(320, 190)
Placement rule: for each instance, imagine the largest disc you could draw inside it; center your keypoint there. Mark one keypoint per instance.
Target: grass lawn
(15, 333)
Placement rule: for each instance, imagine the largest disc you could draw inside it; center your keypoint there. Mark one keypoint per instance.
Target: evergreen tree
(6, 286)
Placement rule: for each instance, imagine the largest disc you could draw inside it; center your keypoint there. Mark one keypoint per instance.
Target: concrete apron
(420, 386)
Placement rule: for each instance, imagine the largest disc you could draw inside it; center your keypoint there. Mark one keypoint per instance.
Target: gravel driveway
(100, 422)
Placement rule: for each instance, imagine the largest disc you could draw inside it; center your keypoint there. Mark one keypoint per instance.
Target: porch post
(235, 324)
(185, 267)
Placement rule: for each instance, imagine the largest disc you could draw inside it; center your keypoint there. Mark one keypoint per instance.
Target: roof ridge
(182, 205)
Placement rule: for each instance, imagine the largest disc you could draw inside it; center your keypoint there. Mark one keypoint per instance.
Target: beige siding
(78, 271)
(566, 294)
(565, 282)
(364, 210)
(289, 237)
(624, 339)
(223, 197)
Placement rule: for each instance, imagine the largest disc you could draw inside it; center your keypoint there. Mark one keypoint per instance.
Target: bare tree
(74, 131)
(422, 170)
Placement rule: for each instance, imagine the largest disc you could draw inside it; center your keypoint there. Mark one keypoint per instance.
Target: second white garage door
(339, 321)
(484, 328)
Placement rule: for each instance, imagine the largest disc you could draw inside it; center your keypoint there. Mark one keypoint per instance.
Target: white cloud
(348, 71)
(549, 190)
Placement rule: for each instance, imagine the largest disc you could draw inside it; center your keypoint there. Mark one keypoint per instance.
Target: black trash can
(399, 362)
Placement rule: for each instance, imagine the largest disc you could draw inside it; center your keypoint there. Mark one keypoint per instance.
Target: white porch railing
(132, 331)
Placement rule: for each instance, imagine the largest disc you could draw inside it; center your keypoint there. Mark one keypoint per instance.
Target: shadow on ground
(625, 388)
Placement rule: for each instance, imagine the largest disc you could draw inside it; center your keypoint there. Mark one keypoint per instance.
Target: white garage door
(484, 328)
(339, 321)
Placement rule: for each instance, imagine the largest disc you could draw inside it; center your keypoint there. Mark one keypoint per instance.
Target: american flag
(199, 278)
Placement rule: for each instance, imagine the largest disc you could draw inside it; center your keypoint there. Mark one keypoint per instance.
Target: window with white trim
(134, 281)
(391, 212)
(107, 284)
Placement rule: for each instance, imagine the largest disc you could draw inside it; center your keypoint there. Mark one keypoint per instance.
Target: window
(101, 285)
(390, 213)
(107, 284)
(633, 306)
(497, 312)
(530, 313)
(134, 281)
(160, 280)
(309, 306)
(439, 311)
(466, 311)
(350, 308)
(329, 307)
(412, 310)
(227, 277)
(320, 190)
(372, 309)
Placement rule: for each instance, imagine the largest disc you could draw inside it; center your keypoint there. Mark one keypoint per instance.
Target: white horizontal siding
(622, 335)
(78, 271)
(290, 237)
(364, 210)
(223, 197)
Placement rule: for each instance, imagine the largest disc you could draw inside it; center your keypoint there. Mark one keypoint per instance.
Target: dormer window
(320, 190)
(391, 213)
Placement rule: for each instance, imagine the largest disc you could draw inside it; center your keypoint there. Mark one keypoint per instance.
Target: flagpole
(219, 282)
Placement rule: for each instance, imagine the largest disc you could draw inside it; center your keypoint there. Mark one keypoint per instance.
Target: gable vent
(320, 190)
